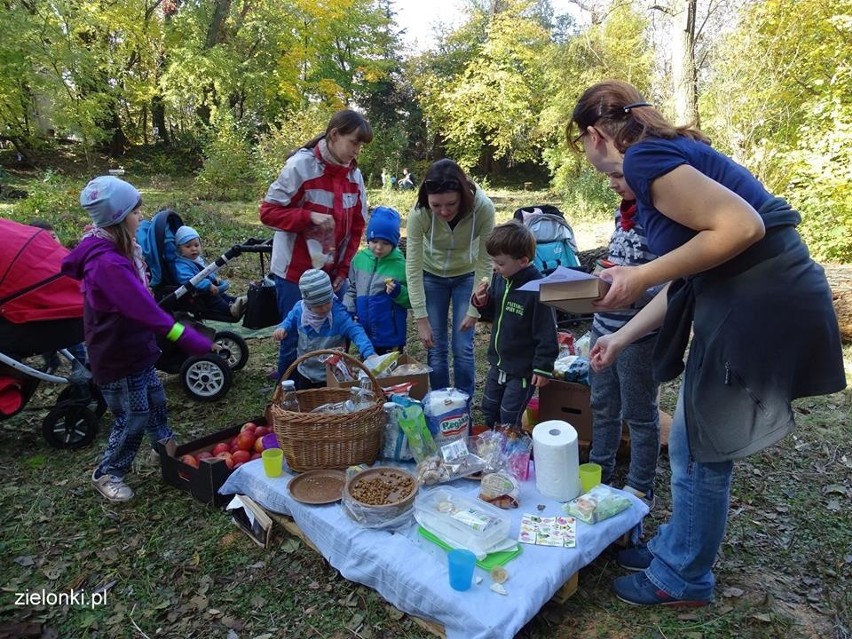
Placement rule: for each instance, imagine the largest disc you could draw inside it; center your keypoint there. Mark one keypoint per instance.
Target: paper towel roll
(557, 460)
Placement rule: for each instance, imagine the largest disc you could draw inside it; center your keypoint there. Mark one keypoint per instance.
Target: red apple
(189, 460)
(258, 445)
(221, 447)
(248, 426)
(260, 431)
(229, 461)
(255, 456)
(241, 457)
(245, 441)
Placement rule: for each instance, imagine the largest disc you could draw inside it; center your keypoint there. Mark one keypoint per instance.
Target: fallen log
(840, 279)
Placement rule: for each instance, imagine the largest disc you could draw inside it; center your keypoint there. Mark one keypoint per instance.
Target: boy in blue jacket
(523, 343)
(190, 262)
(378, 296)
(321, 322)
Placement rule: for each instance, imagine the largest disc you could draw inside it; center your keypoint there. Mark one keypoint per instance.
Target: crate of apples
(245, 446)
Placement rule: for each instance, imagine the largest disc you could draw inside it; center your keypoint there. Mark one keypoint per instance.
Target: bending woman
(764, 328)
(318, 208)
(445, 252)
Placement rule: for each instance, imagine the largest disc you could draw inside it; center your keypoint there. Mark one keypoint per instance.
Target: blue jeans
(287, 294)
(441, 292)
(138, 403)
(685, 547)
(626, 391)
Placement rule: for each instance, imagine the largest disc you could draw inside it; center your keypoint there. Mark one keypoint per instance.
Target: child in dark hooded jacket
(121, 321)
(523, 345)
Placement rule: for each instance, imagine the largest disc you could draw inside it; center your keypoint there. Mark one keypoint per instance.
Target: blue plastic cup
(462, 563)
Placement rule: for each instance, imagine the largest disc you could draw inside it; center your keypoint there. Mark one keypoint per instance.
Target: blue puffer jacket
(332, 334)
(383, 316)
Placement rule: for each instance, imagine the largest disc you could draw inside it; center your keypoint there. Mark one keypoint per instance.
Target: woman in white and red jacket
(318, 208)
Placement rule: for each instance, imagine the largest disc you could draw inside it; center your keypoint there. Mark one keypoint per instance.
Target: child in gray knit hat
(321, 322)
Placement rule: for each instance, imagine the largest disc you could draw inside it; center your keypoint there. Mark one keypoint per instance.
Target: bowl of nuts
(383, 489)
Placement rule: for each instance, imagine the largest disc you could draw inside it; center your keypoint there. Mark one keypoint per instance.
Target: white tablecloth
(411, 572)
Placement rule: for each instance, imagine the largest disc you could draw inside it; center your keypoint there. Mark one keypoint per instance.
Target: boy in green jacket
(377, 294)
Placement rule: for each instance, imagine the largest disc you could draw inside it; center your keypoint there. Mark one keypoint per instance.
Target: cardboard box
(251, 519)
(420, 381)
(569, 402)
(203, 482)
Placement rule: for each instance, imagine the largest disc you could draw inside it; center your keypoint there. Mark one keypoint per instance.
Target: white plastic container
(461, 520)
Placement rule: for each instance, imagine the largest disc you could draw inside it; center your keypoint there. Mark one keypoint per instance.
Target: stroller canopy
(32, 289)
(156, 237)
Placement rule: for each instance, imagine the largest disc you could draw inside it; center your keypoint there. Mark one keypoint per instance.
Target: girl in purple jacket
(121, 321)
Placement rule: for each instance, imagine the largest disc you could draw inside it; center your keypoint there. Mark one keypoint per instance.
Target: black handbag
(261, 307)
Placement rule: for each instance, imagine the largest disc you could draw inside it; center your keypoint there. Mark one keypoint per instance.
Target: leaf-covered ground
(164, 565)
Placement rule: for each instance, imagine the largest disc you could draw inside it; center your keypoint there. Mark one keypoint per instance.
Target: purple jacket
(120, 317)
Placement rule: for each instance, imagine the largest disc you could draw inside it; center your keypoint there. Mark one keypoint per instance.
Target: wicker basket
(314, 441)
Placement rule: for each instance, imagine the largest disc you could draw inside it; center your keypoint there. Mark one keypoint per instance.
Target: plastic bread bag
(381, 365)
(412, 421)
(600, 503)
(453, 461)
(500, 489)
(489, 446)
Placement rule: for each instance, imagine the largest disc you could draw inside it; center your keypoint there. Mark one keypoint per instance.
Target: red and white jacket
(306, 184)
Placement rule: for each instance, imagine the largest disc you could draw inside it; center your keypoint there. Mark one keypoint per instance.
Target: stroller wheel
(70, 426)
(206, 378)
(83, 396)
(232, 348)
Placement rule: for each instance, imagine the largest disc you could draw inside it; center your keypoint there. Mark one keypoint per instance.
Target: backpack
(554, 237)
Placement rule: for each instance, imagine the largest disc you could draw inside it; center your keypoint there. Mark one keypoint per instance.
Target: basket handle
(377, 388)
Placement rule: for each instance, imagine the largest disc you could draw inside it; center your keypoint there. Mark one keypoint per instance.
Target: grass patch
(175, 568)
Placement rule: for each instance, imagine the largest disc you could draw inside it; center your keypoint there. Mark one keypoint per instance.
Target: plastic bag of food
(600, 503)
(500, 489)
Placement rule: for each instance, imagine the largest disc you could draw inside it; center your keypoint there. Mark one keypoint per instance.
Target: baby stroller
(555, 245)
(41, 311)
(207, 377)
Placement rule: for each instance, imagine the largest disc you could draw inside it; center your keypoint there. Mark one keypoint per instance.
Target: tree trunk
(684, 77)
(840, 279)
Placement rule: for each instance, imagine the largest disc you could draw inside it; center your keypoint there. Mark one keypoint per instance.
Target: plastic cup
(273, 461)
(590, 476)
(461, 562)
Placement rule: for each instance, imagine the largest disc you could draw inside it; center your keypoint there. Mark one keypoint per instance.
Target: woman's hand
(322, 219)
(605, 352)
(468, 323)
(626, 285)
(337, 283)
(214, 290)
(424, 330)
(279, 334)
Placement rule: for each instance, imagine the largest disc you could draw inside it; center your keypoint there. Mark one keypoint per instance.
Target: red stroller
(41, 311)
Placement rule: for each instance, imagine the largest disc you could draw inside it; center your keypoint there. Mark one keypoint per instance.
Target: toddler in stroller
(42, 311)
(189, 261)
(209, 377)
